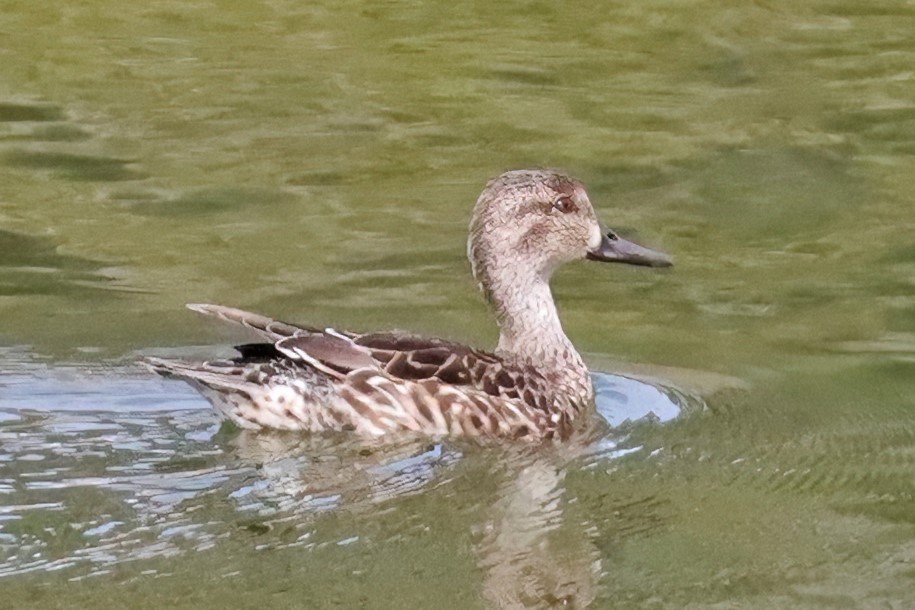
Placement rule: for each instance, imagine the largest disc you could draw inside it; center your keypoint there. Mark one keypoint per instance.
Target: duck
(534, 385)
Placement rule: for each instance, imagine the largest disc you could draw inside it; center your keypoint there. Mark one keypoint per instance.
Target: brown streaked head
(536, 220)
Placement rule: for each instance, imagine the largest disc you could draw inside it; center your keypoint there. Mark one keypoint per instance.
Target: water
(319, 162)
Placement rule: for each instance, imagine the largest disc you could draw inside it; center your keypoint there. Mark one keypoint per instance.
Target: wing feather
(401, 355)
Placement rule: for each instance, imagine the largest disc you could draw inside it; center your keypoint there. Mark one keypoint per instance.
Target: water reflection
(529, 555)
(299, 475)
(98, 468)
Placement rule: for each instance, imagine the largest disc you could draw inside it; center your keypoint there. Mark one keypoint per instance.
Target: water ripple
(99, 468)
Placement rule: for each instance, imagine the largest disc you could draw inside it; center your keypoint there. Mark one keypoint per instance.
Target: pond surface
(754, 445)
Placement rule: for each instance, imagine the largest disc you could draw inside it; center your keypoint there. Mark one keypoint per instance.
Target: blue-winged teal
(525, 225)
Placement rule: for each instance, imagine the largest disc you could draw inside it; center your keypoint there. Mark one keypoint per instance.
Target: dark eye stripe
(565, 204)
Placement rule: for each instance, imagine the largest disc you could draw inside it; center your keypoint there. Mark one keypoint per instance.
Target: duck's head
(532, 221)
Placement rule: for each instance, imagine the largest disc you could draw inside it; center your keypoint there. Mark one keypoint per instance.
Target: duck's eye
(565, 204)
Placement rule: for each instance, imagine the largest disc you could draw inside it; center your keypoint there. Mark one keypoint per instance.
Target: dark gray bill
(615, 249)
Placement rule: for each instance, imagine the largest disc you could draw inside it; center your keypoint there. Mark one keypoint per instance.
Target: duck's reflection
(531, 556)
(529, 553)
(304, 474)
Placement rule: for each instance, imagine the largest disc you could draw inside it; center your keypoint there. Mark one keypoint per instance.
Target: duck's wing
(399, 355)
(270, 329)
(416, 358)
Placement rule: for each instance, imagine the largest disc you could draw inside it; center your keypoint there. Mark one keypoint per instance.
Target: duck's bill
(615, 249)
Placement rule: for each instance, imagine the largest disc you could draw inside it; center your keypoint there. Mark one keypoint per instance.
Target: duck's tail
(245, 393)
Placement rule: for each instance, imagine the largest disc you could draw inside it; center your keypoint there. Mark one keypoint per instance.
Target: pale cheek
(595, 237)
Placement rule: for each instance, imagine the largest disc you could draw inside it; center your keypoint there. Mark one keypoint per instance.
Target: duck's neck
(531, 330)
(529, 322)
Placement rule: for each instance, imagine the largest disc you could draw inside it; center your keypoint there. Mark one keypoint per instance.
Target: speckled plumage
(525, 224)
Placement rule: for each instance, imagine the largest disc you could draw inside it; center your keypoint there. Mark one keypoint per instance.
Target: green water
(318, 162)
